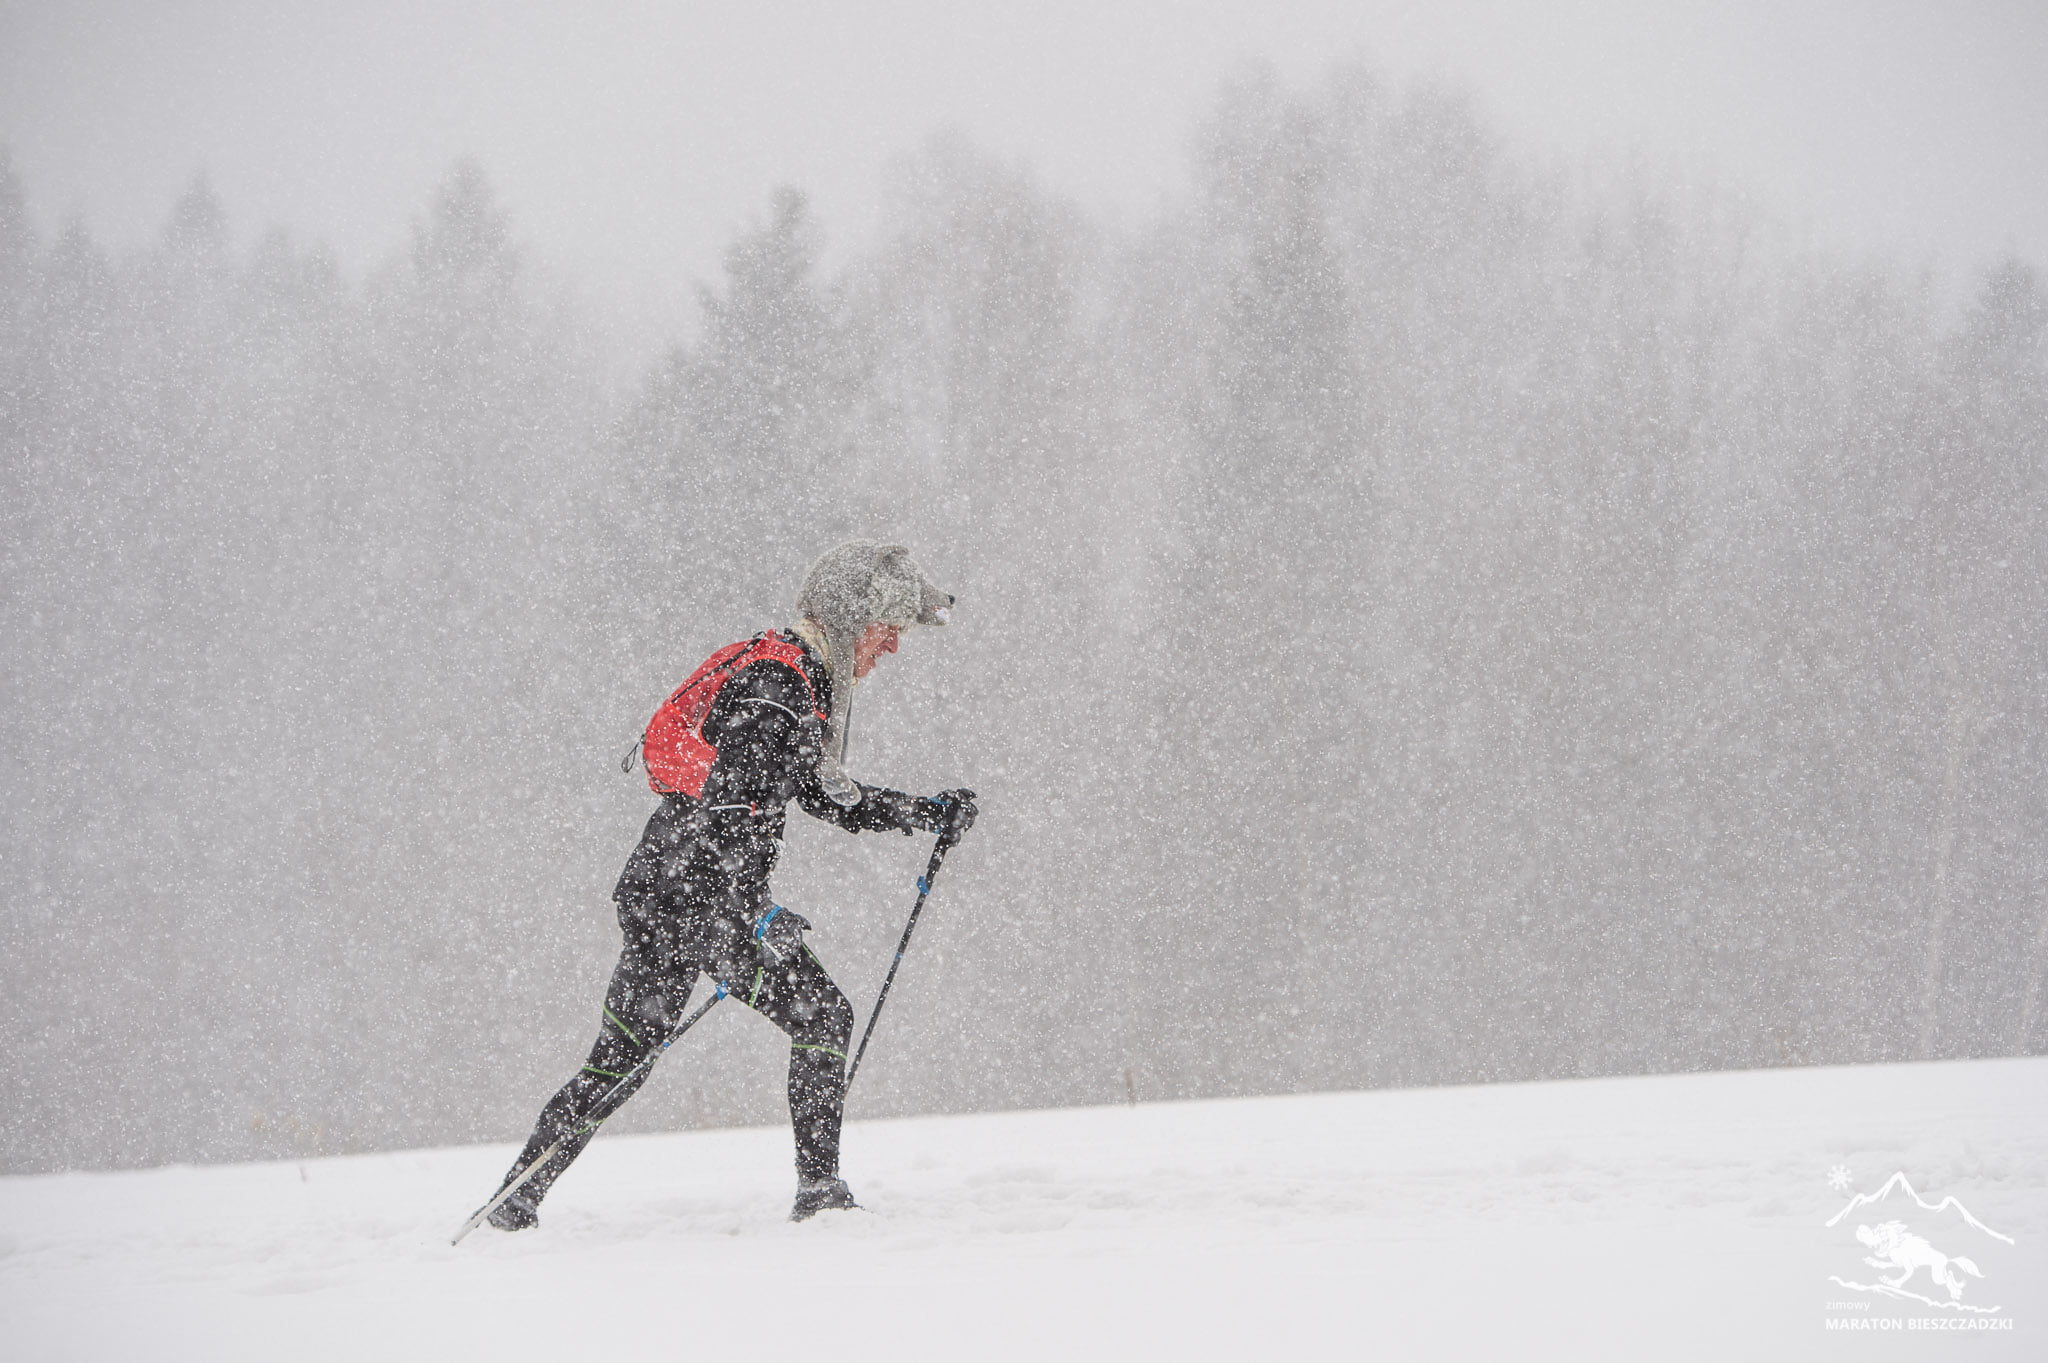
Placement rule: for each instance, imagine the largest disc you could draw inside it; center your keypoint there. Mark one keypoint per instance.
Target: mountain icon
(1926, 1252)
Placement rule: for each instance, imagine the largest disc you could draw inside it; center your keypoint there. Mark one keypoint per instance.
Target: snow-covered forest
(1425, 616)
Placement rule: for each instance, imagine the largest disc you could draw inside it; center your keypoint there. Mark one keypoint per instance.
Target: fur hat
(860, 583)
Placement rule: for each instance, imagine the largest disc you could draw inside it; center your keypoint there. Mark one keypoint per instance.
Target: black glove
(951, 813)
(778, 934)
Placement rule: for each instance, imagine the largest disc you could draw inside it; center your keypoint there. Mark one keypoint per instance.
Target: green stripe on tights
(622, 1027)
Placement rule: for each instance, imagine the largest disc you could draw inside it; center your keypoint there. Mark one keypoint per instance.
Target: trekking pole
(599, 1110)
(924, 887)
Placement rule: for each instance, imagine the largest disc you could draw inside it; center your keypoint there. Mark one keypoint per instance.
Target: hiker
(762, 722)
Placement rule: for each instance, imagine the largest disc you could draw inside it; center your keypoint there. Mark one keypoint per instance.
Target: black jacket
(715, 853)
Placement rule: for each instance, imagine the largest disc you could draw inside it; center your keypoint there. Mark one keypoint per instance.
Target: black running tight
(662, 957)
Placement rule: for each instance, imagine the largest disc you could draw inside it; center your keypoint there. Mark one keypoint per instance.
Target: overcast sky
(632, 140)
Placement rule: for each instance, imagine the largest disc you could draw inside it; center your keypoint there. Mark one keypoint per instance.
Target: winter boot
(517, 1212)
(821, 1195)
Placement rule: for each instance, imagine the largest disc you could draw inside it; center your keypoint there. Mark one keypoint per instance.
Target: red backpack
(677, 757)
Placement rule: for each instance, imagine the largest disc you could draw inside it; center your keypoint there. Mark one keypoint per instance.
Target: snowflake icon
(1839, 1178)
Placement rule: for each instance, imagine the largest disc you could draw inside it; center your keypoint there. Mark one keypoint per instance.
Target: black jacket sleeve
(768, 746)
(880, 810)
(766, 739)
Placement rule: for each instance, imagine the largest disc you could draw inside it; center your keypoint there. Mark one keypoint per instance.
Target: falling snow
(1428, 615)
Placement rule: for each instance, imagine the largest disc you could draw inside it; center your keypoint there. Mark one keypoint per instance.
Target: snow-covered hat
(861, 583)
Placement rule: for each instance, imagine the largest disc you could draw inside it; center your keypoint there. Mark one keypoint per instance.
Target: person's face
(872, 644)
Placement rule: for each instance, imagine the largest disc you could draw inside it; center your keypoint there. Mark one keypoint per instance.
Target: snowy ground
(1671, 1218)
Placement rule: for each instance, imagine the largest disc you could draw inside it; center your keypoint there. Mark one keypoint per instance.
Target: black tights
(664, 953)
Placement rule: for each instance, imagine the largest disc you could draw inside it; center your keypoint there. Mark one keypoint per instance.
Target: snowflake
(1839, 1179)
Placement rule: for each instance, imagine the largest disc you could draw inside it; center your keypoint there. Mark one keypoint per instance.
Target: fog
(635, 139)
(1479, 559)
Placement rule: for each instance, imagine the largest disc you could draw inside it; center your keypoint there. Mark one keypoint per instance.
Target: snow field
(1672, 1217)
